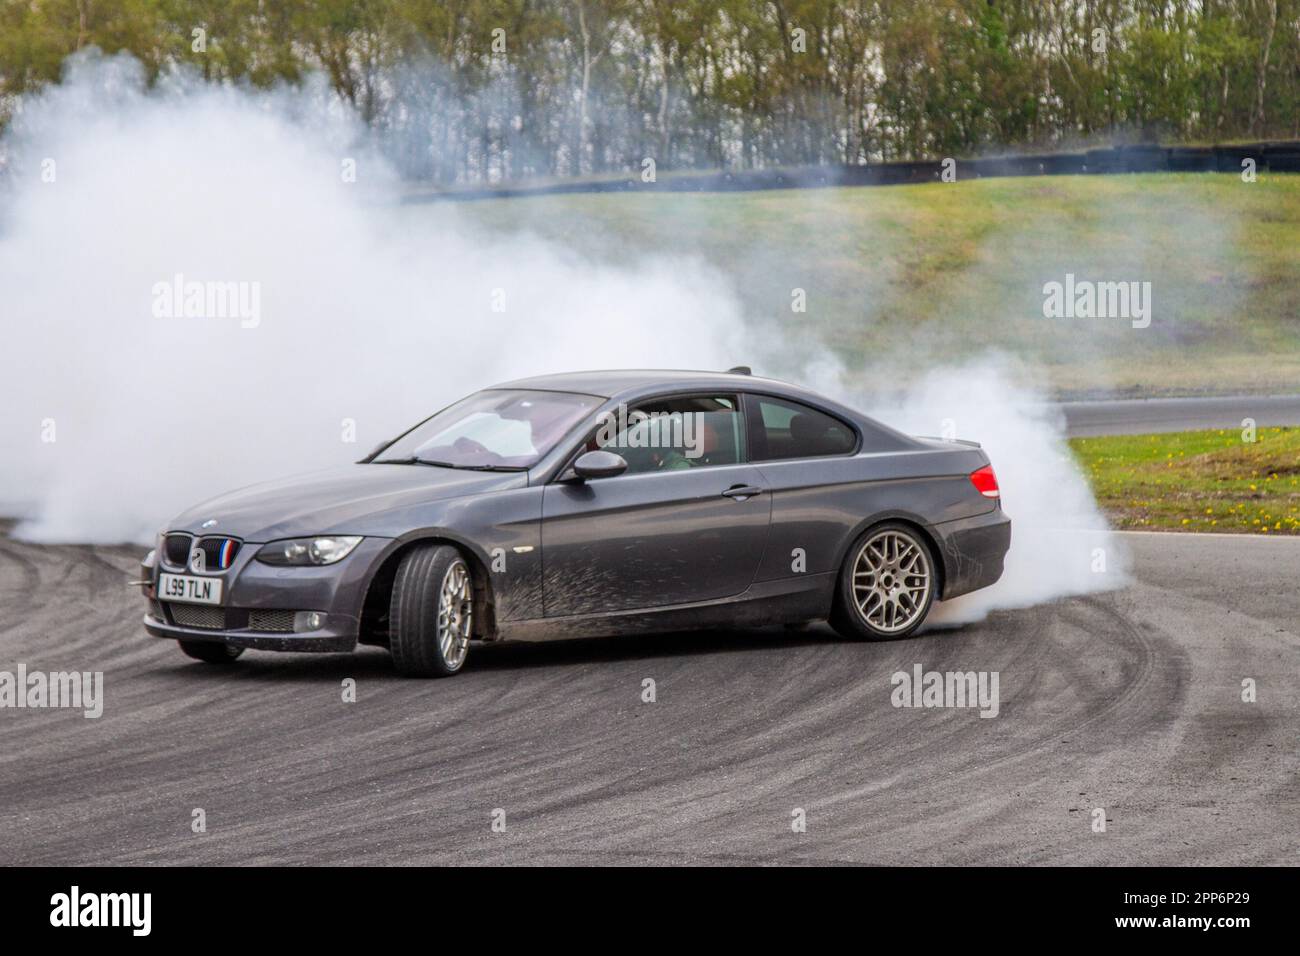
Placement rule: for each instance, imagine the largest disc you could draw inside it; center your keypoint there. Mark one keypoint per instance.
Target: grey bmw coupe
(587, 504)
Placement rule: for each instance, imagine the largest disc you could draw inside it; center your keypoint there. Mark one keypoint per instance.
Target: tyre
(431, 612)
(210, 652)
(887, 584)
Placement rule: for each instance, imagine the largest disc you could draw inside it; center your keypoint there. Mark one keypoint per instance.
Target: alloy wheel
(891, 581)
(455, 614)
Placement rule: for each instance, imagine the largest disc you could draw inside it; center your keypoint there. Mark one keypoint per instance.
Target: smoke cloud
(372, 315)
(121, 409)
(1061, 544)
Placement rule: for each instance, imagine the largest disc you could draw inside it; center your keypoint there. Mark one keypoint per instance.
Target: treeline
(485, 90)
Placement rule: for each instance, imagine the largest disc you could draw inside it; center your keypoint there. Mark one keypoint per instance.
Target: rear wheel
(431, 612)
(210, 652)
(887, 584)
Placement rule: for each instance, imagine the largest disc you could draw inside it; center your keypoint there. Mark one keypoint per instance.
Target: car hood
(347, 500)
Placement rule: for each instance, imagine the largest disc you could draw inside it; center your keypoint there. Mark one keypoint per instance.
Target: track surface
(1140, 416)
(1128, 701)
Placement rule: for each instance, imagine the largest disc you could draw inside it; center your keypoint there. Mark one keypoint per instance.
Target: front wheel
(431, 612)
(210, 652)
(887, 584)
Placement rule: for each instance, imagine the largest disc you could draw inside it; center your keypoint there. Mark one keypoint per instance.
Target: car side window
(783, 429)
(675, 434)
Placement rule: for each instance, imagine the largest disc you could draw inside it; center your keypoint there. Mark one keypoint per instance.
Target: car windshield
(493, 429)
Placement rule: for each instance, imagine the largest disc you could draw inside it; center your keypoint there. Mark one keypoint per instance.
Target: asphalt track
(1142, 415)
(1128, 701)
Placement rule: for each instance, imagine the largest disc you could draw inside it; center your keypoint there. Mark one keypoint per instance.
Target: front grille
(277, 621)
(198, 615)
(218, 553)
(227, 618)
(176, 550)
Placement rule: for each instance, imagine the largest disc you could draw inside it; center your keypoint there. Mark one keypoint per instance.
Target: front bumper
(255, 590)
(323, 640)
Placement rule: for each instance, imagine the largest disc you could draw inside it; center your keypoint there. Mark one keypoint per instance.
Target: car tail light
(985, 482)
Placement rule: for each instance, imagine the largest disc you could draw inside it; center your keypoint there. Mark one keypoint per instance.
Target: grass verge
(1197, 481)
(943, 271)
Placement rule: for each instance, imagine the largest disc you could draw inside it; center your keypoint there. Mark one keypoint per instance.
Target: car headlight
(308, 551)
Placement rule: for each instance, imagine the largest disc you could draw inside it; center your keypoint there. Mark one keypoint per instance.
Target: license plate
(189, 589)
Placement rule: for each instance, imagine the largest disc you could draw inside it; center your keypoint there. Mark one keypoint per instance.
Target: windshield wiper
(412, 460)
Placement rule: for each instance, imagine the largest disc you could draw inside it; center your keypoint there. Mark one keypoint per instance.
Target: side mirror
(599, 464)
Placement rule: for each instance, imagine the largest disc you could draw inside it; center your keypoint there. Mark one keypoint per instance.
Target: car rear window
(783, 429)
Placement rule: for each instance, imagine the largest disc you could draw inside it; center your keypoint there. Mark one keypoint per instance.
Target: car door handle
(741, 492)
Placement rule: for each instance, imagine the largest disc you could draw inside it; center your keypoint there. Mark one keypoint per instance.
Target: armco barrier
(1115, 160)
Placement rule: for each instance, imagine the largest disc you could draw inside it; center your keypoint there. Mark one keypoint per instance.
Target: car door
(806, 458)
(687, 522)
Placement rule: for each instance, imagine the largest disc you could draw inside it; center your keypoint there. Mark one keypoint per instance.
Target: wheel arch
(379, 589)
(912, 521)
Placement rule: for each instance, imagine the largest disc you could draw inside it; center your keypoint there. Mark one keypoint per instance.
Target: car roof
(630, 385)
(628, 382)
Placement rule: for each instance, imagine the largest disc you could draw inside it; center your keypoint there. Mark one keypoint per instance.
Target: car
(584, 504)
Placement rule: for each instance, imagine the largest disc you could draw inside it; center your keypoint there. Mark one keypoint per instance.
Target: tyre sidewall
(413, 611)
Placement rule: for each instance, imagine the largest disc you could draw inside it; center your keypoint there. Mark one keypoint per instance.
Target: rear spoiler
(959, 441)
